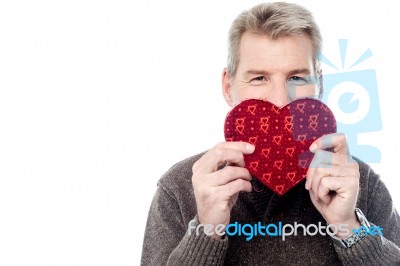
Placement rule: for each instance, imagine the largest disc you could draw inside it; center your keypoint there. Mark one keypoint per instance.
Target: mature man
(273, 51)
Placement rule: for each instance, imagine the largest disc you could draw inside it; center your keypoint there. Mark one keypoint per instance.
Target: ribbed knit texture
(168, 242)
(201, 250)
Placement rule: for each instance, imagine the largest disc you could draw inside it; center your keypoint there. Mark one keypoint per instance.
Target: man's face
(278, 70)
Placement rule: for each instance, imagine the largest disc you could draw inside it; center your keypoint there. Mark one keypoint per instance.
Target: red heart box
(282, 137)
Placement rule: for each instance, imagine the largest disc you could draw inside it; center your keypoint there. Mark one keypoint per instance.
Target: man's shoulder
(369, 180)
(367, 174)
(179, 176)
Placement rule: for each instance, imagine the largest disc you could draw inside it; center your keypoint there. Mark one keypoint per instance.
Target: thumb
(335, 141)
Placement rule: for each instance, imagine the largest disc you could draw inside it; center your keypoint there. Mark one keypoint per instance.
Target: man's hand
(333, 181)
(216, 191)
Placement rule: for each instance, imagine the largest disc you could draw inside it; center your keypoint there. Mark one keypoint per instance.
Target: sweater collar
(268, 205)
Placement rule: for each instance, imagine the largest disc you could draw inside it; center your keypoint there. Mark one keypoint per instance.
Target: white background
(99, 98)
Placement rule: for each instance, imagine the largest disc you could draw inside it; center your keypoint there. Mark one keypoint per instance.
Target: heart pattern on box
(282, 137)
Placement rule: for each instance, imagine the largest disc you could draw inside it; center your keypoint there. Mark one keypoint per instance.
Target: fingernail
(250, 147)
(313, 147)
(306, 184)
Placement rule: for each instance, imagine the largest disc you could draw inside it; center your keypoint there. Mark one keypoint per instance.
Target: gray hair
(276, 20)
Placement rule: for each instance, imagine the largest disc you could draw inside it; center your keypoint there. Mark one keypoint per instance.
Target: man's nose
(279, 94)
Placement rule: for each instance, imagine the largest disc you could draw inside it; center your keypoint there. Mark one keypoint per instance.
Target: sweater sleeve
(380, 211)
(167, 240)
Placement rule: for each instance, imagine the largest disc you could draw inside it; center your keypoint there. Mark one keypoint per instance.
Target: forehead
(260, 51)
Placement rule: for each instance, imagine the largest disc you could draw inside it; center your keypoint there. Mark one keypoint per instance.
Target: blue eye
(298, 81)
(296, 78)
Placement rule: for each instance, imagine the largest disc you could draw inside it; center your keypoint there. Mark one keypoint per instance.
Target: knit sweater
(167, 240)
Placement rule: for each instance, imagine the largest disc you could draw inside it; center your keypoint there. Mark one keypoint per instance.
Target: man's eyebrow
(300, 71)
(256, 72)
(266, 73)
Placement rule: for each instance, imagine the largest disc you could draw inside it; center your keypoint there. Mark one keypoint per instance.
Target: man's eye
(258, 80)
(297, 80)
(261, 78)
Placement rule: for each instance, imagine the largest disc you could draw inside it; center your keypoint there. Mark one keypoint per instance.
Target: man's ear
(320, 83)
(227, 87)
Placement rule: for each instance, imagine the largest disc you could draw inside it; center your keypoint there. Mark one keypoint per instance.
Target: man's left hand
(333, 181)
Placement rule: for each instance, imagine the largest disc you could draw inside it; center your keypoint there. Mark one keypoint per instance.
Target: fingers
(234, 187)
(329, 184)
(333, 178)
(336, 141)
(224, 190)
(223, 176)
(229, 174)
(315, 174)
(329, 158)
(225, 152)
(327, 163)
(216, 190)
(326, 179)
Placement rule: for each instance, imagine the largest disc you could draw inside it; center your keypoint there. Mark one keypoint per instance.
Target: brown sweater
(167, 242)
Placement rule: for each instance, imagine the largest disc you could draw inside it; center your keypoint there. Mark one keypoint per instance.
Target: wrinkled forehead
(259, 51)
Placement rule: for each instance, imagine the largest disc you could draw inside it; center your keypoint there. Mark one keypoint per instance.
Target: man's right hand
(216, 191)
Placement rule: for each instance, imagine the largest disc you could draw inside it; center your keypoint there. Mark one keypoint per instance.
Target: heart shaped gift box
(281, 136)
